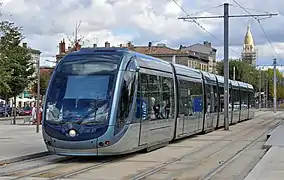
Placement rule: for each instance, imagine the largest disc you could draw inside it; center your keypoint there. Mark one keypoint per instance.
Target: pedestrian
(34, 114)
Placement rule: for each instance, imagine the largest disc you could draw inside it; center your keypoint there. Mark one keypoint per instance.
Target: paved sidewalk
(19, 141)
(271, 166)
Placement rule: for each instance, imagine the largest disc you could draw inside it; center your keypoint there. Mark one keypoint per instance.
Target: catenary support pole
(259, 89)
(226, 65)
(274, 68)
(267, 98)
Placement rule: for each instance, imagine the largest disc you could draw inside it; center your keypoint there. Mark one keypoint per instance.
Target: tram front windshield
(81, 91)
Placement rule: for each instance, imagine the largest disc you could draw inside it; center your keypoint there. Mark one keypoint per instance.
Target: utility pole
(259, 89)
(226, 65)
(274, 69)
(226, 17)
(266, 91)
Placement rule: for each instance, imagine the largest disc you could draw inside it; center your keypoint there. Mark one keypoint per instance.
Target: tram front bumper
(72, 148)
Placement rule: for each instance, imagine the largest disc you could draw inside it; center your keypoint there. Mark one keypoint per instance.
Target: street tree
(44, 79)
(247, 73)
(243, 71)
(19, 65)
(279, 84)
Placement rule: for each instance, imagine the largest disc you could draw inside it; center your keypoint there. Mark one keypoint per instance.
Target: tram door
(142, 102)
(209, 91)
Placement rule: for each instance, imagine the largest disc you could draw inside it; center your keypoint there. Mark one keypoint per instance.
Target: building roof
(156, 50)
(200, 48)
(46, 69)
(248, 40)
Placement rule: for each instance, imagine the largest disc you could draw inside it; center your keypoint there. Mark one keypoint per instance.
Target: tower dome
(248, 41)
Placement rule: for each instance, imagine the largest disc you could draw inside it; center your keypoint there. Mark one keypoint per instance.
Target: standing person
(34, 114)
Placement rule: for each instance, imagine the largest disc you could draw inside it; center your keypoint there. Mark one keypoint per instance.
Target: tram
(111, 101)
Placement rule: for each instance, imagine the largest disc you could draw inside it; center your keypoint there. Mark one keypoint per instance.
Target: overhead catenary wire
(197, 23)
(252, 9)
(206, 10)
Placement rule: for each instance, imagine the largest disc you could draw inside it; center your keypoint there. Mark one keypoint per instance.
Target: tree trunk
(14, 110)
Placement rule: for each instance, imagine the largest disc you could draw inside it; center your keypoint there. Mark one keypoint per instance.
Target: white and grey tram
(111, 101)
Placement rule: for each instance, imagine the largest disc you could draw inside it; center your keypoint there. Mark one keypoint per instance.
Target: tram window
(252, 100)
(168, 103)
(184, 98)
(143, 99)
(190, 100)
(196, 96)
(246, 99)
(126, 98)
(153, 93)
(216, 99)
(221, 102)
(156, 94)
(236, 99)
(242, 99)
(131, 65)
(211, 95)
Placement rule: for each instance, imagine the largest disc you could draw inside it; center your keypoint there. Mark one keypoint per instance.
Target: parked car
(27, 111)
(3, 112)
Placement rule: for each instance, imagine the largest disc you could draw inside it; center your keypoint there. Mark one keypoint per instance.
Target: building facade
(183, 55)
(204, 51)
(249, 50)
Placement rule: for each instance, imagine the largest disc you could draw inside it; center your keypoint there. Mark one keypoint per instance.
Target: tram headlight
(72, 133)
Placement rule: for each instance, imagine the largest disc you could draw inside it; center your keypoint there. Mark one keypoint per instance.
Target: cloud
(45, 23)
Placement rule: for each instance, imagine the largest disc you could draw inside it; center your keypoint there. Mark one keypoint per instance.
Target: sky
(46, 22)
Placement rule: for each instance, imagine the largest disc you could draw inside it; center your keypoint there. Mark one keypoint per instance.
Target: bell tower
(249, 51)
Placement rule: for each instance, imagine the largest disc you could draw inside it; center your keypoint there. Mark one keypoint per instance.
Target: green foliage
(243, 71)
(15, 61)
(44, 79)
(247, 73)
(279, 84)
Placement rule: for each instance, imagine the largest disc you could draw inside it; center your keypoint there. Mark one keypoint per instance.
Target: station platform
(19, 142)
(271, 166)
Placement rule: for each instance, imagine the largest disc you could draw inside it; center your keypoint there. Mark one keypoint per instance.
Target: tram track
(58, 167)
(159, 169)
(26, 165)
(64, 168)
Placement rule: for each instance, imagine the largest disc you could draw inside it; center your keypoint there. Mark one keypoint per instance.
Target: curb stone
(10, 118)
